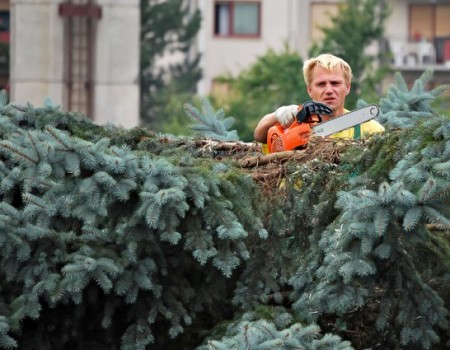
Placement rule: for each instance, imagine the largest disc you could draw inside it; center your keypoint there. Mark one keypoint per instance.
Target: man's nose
(328, 88)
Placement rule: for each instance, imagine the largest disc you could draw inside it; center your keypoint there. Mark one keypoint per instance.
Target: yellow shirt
(366, 129)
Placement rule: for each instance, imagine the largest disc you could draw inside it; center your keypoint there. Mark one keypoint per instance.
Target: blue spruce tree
(124, 239)
(356, 252)
(105, 245)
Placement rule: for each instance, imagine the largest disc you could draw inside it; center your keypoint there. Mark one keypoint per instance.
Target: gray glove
(286, 115)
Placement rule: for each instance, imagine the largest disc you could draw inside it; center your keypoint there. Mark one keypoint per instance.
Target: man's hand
(286, 115)
(310, 108)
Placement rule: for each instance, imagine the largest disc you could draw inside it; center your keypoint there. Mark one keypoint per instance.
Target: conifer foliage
(403, 107)
(262, 334)
(209, 123)
(369, 250)
(102, 239)
(116, 239)
(354, 252)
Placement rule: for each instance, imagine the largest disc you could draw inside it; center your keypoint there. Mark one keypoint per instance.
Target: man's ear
(349, 86)
(308, 89)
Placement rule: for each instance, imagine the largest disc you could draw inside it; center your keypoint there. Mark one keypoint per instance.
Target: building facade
(82, 54)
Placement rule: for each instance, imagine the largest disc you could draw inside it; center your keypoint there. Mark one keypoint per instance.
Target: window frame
(232, 33)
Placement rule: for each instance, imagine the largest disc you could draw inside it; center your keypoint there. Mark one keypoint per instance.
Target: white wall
(37, 57)
(397, 25)
(36, 52)
(117, 63)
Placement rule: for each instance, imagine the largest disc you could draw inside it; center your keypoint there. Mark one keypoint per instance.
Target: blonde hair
(329, 62)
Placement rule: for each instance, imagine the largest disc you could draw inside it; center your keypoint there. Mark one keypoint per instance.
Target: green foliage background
(167, 27)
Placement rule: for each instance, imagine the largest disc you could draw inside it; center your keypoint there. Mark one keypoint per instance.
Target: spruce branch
(403, 108)
(263, 334)
(19, 152)
(210, 123)
(58, 136)
(3, 98)
(6, 342)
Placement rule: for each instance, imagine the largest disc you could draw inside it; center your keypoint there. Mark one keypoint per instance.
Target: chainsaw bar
(346, 121)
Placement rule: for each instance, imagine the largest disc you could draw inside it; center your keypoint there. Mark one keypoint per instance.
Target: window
(4, 49)
(4, 27)
(80, 33)
(235, 18)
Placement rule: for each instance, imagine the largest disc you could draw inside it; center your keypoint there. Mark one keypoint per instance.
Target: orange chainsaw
(309, 123)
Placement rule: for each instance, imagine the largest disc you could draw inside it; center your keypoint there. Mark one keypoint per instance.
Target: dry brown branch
(437, 227)
(264, 159)
(270, 179)
(327, 150)
(231, 146)
(270, 170)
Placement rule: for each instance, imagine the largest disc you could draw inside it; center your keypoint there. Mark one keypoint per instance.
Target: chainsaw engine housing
(294, 137)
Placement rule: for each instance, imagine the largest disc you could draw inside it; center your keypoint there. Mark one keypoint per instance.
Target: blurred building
(418, 36)
(83, 54)
(235, 32)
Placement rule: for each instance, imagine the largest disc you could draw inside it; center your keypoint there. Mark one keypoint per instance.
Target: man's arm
(285, 115)
(263, 127)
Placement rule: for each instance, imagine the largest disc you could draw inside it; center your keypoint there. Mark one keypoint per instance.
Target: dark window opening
(4, 50)
(235, 18)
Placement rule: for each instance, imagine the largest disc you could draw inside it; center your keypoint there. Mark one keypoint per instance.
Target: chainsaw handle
(319, 117)
(310, 108)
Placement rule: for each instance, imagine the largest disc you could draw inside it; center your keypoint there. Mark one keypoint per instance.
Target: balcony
(419, 55)
(411, 58)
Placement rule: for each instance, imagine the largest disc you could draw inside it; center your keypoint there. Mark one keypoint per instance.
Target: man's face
(329, 87)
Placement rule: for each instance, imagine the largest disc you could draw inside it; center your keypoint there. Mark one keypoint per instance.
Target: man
(328, 80)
